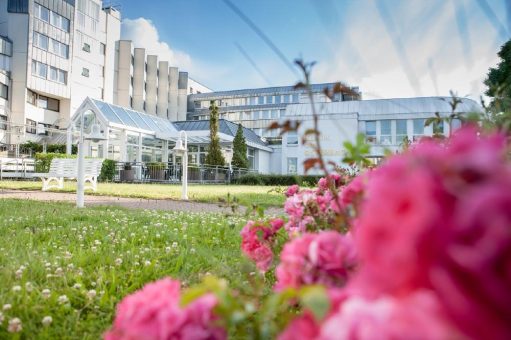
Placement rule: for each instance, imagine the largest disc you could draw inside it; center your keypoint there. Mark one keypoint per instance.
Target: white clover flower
(29, 287)
(93, 248)
(59, 271)
(192, 250)
(118, 261)
(167, 249)
(63, 299)
(7, 306)
(14, 325)
(18, 274)
(174, 244)
(47, 320)
(91, 294)
(77, 286)
(46, 293)
(16, 289)
(147, 263)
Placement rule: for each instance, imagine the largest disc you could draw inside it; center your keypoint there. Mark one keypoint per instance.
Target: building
(62, 52)
(384, 122)
(257, 108)
(147, 85)
(138, 137)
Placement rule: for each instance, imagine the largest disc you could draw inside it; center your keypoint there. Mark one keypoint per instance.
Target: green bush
(277, 180)
(43, 160)
(51, 148)
(107, 171)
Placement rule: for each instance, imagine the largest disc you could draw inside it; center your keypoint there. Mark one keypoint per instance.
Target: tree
(499, 88)
(239, 157)
(214, 156)
(499, 81)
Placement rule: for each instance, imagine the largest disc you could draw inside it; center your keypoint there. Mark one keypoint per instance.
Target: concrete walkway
(126, 202)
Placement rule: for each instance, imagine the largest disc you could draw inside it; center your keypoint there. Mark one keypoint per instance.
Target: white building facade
(146, 84)
(62, 52)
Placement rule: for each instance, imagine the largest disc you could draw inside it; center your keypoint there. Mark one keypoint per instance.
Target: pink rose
(154, 313)
(256, 242)
(292, 190)
(327, 258)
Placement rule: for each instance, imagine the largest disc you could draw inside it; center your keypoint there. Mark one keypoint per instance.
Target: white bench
(61, 168)
(16, 167)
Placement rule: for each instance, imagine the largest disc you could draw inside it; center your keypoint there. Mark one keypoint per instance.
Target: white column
(123, 148)
(173, 93)
(139, 79)
(182, 96)
(162, 103)
(69, 140)
(151, 80)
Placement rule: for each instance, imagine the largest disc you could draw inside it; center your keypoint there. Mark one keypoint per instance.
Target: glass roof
(119, 115)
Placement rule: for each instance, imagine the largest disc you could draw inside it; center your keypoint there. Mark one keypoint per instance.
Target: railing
(16, 168)
(140, 172)
(14, 151)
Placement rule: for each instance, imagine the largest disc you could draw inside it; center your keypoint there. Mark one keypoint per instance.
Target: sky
(389, 48)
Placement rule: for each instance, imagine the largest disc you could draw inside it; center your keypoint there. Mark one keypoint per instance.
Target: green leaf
(315, 299)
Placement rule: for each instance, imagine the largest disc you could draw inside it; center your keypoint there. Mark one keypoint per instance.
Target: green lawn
(89, 259)
(247, 195)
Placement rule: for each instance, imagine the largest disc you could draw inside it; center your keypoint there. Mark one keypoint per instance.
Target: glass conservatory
(137, 138)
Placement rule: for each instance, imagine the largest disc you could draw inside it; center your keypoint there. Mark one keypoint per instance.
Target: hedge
(274, 180)
(107, 171)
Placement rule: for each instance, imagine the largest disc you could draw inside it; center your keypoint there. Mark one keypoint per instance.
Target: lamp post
(94, 136)
(182, 150)
(228, 153)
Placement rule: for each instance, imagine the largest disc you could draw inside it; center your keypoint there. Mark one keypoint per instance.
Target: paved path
(132, 203)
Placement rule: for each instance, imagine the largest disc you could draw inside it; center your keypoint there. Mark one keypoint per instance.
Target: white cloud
(366, 56)
(144, 34)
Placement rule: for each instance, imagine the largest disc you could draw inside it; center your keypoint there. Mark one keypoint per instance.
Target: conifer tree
(239, 157)
(214, 156)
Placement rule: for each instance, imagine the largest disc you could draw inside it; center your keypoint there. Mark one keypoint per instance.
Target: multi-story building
(5, 83)
(62, 52)
(257, 108)
(147, 85)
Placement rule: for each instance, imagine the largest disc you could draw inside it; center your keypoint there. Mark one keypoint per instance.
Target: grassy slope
(85, 244)
(246, 194)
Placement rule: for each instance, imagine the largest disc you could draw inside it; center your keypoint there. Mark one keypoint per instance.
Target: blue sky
(390, 48)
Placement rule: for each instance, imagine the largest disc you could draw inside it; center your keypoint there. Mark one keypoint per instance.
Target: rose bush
(419, 247)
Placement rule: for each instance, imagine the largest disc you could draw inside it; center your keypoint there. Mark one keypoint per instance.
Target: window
(86, 47)
(277, 99)
(59, 48)
(85, 72)
(418, 128)
(43, 102)
(59, 21)
(31, 126)
(269, 99)
(370, 131)
(286, 98)
(4, 91)
(39, 69)
(41, 12)
(438, 128)
(41, 41)
(401, 130)
(274, 114)
(251, 158)
(295, 98)
(292, 165)
(3, 122)
(31, 97)
(266, 114)
(260, 100)
(252, 100)
(292, 138)
(255, 115)
(385, 132)
(58, 75)
(102, 49)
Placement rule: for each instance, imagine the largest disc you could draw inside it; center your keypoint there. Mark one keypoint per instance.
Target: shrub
(156, 166)
(276, 180)
(107, 171)
(43, 160)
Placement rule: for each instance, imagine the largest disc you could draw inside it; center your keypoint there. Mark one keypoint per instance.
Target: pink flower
(154, 313)
(256, 241)
(325, 258)
(419, 316)
(292, 190)
(303, 327)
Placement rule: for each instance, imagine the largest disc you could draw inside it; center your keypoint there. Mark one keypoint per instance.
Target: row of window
(51, 17)
(55, 74)
(249, 115)
(385, 130)
(88, 7)
(51, 45)
(259, 100)
(31, 126)
(87, 43)
(43, 102)
(4, 91)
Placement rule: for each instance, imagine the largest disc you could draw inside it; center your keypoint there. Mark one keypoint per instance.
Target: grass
(245, 194)
(101, 251)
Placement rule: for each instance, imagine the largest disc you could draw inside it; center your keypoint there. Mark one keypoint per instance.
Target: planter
(127, 175)
(157, 174)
